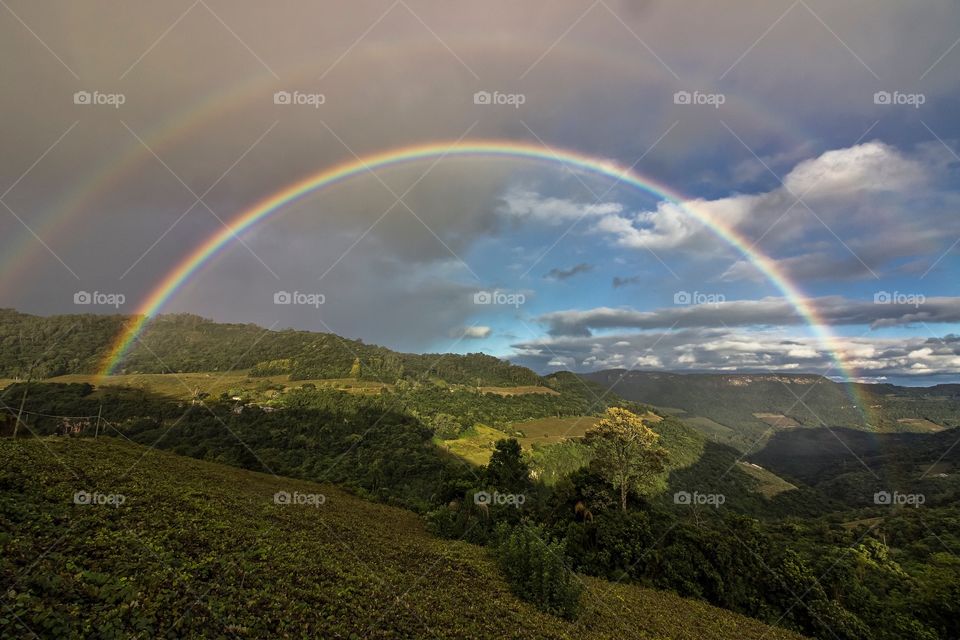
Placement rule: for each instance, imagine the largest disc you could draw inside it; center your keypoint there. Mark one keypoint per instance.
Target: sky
(822, 135)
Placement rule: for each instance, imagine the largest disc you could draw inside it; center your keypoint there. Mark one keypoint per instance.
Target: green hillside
(70, 344)
(202, 550)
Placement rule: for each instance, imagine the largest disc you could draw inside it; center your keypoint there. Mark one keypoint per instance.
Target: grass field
(777, 420)
(183, 385)
(769, 484)
(710, 428)
(519, 391)
(919, 425)
(552, 430)
(202, 550)
(478, 443)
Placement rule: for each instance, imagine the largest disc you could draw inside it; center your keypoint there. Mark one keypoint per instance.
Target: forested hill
(64, 344)
(740, 408)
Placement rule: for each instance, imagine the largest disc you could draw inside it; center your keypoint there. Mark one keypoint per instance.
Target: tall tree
(626, 452)
(507, 469)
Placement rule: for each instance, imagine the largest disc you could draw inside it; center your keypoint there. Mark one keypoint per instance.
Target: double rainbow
(270, 205)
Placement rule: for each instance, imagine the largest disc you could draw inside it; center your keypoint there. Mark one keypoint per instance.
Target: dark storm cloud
(888, 308)
(565, 274)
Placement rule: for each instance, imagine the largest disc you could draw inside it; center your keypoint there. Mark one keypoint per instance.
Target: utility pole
(23, 401)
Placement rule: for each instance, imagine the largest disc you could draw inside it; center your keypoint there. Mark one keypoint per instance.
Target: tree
(626, 452)
(445, 426)
(355, 369)
(507, 469)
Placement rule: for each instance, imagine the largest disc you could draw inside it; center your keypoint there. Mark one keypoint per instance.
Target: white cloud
(868, 358)
(872, 166)
(526, 204)
(477, 332)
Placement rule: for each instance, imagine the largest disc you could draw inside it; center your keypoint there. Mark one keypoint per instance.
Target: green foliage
(625, 451)
(536, 569)
(552, 463)
(184, 343)
(201, 550)
(507, 470)
(445, 426)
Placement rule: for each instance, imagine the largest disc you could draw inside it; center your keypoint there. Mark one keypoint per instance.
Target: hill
(200, 549)
(853, 465)
(742, 410)
(179, 343)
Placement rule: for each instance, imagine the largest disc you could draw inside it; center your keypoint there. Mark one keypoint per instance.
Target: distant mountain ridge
(743, 409)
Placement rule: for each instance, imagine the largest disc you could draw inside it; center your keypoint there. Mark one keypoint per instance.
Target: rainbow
(177, 277)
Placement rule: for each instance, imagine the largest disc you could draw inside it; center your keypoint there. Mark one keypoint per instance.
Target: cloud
(872, 166)
(619, 282)
(525, 204)
(566, 274)
(837, 215)
(477, 332)
(888, 309)
(721, 350)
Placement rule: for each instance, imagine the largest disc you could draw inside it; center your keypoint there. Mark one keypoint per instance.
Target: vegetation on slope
(59, 345)
(203, 550)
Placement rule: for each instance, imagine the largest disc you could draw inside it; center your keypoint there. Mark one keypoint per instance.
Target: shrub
(535, 567)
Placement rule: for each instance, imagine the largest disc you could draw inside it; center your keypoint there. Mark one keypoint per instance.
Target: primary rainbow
(175, 279)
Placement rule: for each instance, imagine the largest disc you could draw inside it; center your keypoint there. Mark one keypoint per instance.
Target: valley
(411, 462)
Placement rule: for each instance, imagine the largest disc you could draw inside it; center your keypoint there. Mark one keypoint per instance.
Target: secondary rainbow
(268, 206)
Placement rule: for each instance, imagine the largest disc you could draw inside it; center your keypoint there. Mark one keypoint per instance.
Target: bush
(535, 567)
